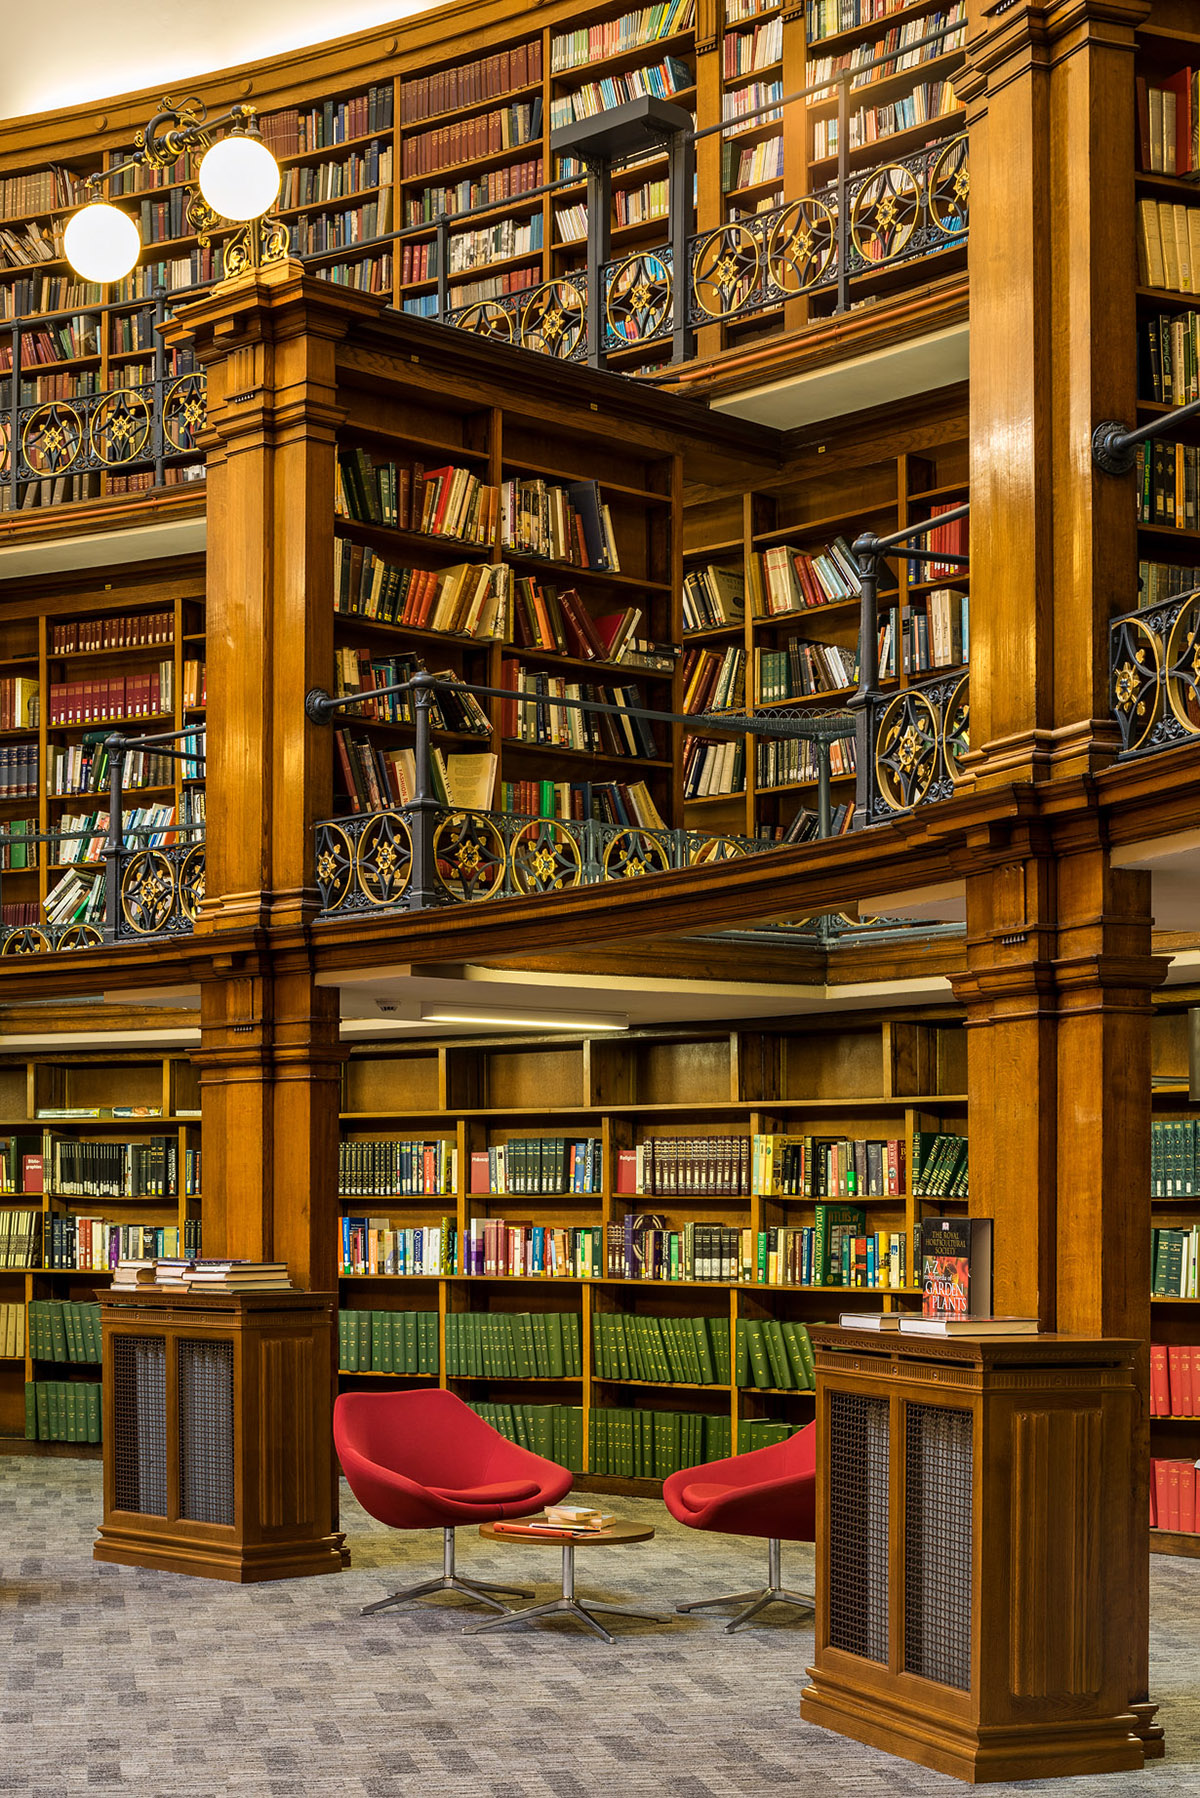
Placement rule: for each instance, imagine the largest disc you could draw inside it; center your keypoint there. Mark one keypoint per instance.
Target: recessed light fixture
(449, 1013)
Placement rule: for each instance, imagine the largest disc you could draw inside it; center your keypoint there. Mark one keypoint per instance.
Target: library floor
(119, 1681)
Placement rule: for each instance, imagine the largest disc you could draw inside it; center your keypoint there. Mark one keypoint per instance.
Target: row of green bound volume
(630, 1444)
(62, 1411)
(62, 1330)
(694, 1351)
(519, 1345)
(388, 1342)
(939, 1164)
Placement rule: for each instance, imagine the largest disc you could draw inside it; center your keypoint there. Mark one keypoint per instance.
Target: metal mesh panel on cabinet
(206, 1488)
(858, 1525)
(140, 1424)
(937, 1544)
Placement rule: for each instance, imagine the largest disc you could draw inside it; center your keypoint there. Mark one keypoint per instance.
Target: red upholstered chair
(770, 1492)
(424, 1460)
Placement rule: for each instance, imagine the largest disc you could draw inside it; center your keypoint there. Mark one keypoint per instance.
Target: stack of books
(178, 1274)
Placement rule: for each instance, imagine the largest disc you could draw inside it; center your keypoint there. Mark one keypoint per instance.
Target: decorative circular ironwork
(715, 849)
(632, 853)
(147, 892)
(906, 751)
(544, 857)
(638, 300)
(185, 412)
(950, 188)
(191, 881)
(80, 936)
(956, 727)
(385, 859)
(725, 270)
(552, 320)
(335, 865)
(52, 437)
(885, 213)
(27, 939)
(802, 246)
(4, 442)
(1135, 682)
(487, 319)
(470, 857)
(120, 427)
(1183, 666)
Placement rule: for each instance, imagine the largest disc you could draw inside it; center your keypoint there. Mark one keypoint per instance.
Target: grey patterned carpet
(119, 1681)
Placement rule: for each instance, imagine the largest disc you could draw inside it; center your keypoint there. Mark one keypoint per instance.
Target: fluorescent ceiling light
(447, 1012)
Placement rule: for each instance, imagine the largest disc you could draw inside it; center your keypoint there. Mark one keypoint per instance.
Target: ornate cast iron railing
(909, 744)
(898, 212)
(141, 425)
(366, 863)
(410, 858)
(1154, 674)
(150, 890)
(918, 738)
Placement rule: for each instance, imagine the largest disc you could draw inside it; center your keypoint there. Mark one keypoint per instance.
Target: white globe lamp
(239, 177)
(101, 242)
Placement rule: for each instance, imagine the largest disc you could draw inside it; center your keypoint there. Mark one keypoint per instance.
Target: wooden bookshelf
(1174, 1319)
(75, 1079)
(31, 634)
(847, 1079)
(807, 515)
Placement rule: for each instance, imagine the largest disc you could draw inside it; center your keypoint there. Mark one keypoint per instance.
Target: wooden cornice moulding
(880, 325)
(707, 26)
(1096, 977)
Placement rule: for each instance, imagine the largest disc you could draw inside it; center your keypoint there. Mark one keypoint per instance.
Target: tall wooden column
(1050, 98)
(1057, 997)
(268, 343)
(270, 1078)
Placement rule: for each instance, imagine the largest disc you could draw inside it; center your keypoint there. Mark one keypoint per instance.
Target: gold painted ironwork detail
(384, 860)
(52, 437)
(552, 319)
(1183, 667)
(147, 892)
(191, 881)
(715, 849)
(950, 188)
(802, 246)
(120, 427)
(633, 853)
(956, 727)
(335, 865)
(80, 936)
(185, 411)
(885, 213)
(469, 853)
(486, 319)
(544, 857)
(725, 270)
(906, 751)
(638, 301)
(27, 940)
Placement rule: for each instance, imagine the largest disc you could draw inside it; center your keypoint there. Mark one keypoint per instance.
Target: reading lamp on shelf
(238, 183)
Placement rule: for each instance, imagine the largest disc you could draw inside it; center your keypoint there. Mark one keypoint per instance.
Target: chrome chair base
(775, 1592)
(450, 1582)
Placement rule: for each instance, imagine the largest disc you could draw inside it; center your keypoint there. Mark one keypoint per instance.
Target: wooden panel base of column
(978, 1755)
(140, 1545)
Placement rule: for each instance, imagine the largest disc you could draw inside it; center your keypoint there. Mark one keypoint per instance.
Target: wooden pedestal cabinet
(975, 1538)
(218, 1434)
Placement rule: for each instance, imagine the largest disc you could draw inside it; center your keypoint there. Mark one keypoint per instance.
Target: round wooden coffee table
(618, 1535)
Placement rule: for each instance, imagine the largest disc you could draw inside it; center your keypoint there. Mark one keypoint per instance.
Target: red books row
(1174, 1380)
(136, 631)
(1173, 1496)
(485, 79)
(120, 696)
(468, 139)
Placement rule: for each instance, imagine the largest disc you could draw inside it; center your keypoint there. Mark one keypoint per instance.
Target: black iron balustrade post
(424, 888)
(681, 200)
(843, 196)
(14, 417)
(599, 249)
(824, 808)
(113, 843)
(160, 387)
(443, 265)
(866, 554)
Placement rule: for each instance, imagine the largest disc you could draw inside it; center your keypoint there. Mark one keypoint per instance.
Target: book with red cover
(626, 1170)
(480, 1171)
(1160, 1388)
(1160, 1494)
(1187, 1497)
(1185, 1402)
(32, 1174)
(956, 1267)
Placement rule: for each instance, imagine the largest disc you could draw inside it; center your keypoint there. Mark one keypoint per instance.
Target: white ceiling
(74, 52)
(917, 366)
